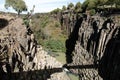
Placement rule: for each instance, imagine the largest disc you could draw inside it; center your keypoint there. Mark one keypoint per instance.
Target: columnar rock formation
(20, 56)
(95, 48)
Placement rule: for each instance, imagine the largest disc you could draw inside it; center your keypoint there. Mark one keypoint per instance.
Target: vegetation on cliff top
(17, 5)
(90, 5)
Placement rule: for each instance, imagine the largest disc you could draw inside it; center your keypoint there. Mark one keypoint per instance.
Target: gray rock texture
(93, 48)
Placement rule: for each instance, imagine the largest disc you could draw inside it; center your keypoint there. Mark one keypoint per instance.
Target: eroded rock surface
(95, 44)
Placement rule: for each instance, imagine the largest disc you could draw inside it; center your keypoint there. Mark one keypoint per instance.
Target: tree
(64, 8)
(90, 4)
(114, 2)
(85, 5)
(78, 7)
(117, 2)
(18, 5)
(103, 2)
(55, 11)
(70, 6)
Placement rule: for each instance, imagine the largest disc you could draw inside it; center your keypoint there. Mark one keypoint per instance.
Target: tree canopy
(78, 7)
(17, 5)
(70, 6)
(64, 8)
(55, 11)
(92, 6)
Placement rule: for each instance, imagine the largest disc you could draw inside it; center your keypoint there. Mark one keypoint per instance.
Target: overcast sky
(41, 5)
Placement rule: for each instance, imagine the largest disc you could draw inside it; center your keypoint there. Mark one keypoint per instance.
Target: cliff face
(20, 56)
(93, 48)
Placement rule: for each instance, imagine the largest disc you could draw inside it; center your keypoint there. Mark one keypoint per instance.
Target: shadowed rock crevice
(71, 41)
(3, 23)
(109, 63)
(93, 41)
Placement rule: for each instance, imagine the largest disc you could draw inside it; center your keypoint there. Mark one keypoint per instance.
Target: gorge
(92, 50)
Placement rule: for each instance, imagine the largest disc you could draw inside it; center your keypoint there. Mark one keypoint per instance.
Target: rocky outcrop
(20, 56)
(95, 48)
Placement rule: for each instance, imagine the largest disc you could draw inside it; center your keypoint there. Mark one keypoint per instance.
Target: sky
(41, 6)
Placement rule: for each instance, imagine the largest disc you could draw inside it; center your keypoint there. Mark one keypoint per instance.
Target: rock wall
(93, 48)
(20, 56)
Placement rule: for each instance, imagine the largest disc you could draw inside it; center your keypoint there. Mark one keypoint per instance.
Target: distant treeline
(90, 5)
